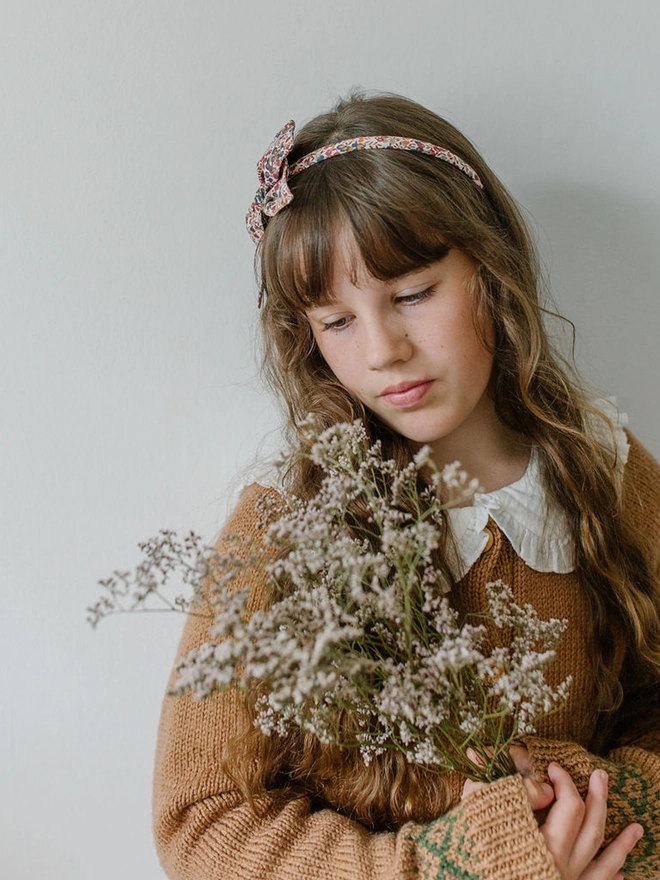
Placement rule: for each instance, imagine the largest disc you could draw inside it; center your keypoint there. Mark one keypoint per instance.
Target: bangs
(387, 207)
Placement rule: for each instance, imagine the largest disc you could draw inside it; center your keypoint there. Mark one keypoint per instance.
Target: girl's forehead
(347, 260)
(348, 265)
(344, 264)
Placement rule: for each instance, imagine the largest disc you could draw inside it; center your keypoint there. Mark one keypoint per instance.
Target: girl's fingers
(563, 827)
(540, 794)
(520, 757)
(574, 830)
(608, 864)
(476, 759)
(592, 831)
(469, 787)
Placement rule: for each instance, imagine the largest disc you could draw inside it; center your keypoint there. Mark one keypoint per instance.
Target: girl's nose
(386, 344)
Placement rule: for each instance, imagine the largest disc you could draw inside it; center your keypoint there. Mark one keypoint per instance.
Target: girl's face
(409, 350)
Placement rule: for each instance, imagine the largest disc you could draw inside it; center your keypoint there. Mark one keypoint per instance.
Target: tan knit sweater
(204, 830)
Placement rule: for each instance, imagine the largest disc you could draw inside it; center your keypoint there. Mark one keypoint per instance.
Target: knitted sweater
(205, 831)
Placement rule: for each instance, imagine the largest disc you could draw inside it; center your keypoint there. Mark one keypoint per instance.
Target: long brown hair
(402, 210)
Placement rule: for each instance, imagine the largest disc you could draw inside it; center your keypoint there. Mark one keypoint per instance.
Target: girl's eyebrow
(413, 272)
(326, 299)
(418, 271)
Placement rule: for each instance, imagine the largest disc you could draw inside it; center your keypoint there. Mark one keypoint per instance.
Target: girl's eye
(407, 299)
(337, 325)
(420, 296)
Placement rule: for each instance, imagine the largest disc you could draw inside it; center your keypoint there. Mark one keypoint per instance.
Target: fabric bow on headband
(273, 171)
(273, 168)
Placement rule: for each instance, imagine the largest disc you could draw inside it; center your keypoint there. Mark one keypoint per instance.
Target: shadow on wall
(602, 253)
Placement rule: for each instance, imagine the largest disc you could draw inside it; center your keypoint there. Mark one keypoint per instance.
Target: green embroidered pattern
(446, 852)
(634, 798)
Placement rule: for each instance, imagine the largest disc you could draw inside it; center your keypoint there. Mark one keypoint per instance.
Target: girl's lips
(407, 393)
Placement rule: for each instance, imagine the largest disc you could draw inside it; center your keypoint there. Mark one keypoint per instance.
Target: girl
(400, 285)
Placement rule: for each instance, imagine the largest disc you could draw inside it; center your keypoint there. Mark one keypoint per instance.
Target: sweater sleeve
(633, 760)
(204, 830)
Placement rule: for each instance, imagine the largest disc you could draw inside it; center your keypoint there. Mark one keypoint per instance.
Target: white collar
(536, 526)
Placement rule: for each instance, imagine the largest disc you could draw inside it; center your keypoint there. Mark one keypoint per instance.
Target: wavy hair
(402, 210)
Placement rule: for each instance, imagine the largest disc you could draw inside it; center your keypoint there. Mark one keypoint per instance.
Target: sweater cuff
(576, 760)
(491, 834)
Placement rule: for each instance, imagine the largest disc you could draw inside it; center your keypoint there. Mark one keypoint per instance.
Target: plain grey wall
(130, 397)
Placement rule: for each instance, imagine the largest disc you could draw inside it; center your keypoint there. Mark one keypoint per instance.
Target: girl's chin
(420, 434)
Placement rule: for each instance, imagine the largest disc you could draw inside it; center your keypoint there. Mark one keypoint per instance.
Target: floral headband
(273, 168)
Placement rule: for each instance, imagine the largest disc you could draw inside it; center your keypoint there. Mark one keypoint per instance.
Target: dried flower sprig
(361, 646)
(166, 556)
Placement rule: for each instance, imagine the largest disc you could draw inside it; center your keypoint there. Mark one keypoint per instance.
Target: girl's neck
(489, 451)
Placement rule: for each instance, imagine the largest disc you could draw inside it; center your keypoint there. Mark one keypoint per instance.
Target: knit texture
(205, 831)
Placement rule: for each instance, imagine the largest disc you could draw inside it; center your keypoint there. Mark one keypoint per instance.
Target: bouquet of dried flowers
(361, 645)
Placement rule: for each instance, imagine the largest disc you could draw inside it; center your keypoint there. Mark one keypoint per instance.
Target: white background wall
(129, 396)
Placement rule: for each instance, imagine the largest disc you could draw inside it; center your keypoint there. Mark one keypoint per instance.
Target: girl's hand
(574, 830)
